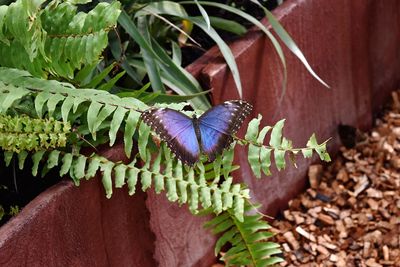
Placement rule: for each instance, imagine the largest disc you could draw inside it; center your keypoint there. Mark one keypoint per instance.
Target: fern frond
(259, 155)
(54, 39)
(248, 239)
(24, 133)
(50, 95)
(179, 183)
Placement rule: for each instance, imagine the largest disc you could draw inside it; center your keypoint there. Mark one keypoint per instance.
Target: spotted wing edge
(226, 137)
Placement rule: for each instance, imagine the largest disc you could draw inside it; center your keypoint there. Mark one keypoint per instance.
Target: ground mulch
(350, 215)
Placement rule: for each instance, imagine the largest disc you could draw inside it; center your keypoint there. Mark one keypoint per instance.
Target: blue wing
(177, 130)
(219, 123)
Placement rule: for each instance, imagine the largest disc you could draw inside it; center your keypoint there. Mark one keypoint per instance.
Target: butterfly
(189, 137)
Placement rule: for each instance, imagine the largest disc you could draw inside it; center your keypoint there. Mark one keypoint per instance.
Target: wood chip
(373, 204)
(385, 251)
(291, 240)
(326, 219)
(314, 175)
(323, 250)
(286, 247)
(298, 218)
(372, 192)
(366, 249)
(304, 233)
(333, 258)
(360, 186)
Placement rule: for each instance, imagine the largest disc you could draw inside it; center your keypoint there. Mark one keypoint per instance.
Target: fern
(248, 239)
(180, 183)
(22, 133)
(100, 111)
(259, 155)
(97, 106)
(55, 39)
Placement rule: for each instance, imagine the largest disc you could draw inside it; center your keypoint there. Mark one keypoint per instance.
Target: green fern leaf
(254, 160)
(120, 172)
(159, 183)
(252, 129)
(276, 134)
(130, 127)
(53, 159)
(146, 180)
(172, 194)
(227, 160)
(238, 208)
(182, 191)
(92, 114)
(21, 159)
(8, 155)
(79, 165)
(107, 168)
(217, 168)
(132, 180)
(66, 108)
(262, 134)
(17, 93)
(52, 103)
(279, 156)
(265, 158)
(93, 166)
(217, 201)
(320, 149)
(194, 199)
(205, 197)
(116, 121)
(36, 160)
(40, 100)
(106, 111)
(66, 164)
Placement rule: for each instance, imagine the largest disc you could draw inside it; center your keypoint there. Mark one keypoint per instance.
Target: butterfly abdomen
(197, 129)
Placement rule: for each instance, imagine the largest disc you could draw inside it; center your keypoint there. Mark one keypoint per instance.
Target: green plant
(157, 28)
(248, 239)
(57, 119)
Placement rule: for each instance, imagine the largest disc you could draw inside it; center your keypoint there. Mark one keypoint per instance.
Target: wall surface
(352, 45)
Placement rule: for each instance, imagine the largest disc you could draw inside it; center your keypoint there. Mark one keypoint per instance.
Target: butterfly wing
(219, 123)
(177, 130)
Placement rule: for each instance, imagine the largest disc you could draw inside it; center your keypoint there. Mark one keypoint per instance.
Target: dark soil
(191, 53)
(18, 188)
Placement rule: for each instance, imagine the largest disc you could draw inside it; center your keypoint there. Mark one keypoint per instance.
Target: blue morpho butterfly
(189, 137)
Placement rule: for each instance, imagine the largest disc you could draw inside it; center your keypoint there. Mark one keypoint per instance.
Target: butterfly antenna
(122, 55)
(83, 139)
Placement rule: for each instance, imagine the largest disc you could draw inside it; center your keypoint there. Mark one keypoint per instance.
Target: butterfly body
(189, 137)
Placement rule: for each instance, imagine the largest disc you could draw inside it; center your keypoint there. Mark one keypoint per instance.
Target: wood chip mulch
(350, 215)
